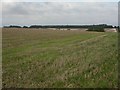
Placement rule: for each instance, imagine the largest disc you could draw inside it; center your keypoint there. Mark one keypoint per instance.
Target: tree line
(98, 28)
(61, 26)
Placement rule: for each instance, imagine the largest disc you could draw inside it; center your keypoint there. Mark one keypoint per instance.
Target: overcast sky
(60, 0)
(61, 12)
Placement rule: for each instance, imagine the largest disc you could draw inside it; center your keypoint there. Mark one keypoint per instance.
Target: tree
(98, 28)
(25, 26)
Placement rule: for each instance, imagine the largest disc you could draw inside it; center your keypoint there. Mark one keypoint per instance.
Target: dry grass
(50, 58)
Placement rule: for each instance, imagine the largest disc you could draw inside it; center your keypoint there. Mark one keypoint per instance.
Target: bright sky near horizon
(30, 12)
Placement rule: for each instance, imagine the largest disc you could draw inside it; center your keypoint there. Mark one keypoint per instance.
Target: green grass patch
(47, 58)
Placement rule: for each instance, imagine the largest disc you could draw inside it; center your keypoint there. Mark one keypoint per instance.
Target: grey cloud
(26, 13)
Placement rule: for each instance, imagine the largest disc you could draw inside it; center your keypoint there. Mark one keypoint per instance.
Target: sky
(27, 12)
(60, 0)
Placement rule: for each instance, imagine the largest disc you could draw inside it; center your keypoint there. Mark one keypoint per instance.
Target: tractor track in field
(95, 38)
(86, 41)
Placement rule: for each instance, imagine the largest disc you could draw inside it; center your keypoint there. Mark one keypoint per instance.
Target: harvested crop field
(36, 58)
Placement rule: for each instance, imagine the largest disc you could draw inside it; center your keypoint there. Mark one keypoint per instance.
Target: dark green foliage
(98, 28)
(25, 26)
(61, 26)
(12, 26)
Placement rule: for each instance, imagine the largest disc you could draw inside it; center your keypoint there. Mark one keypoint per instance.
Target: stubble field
(35, 58)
